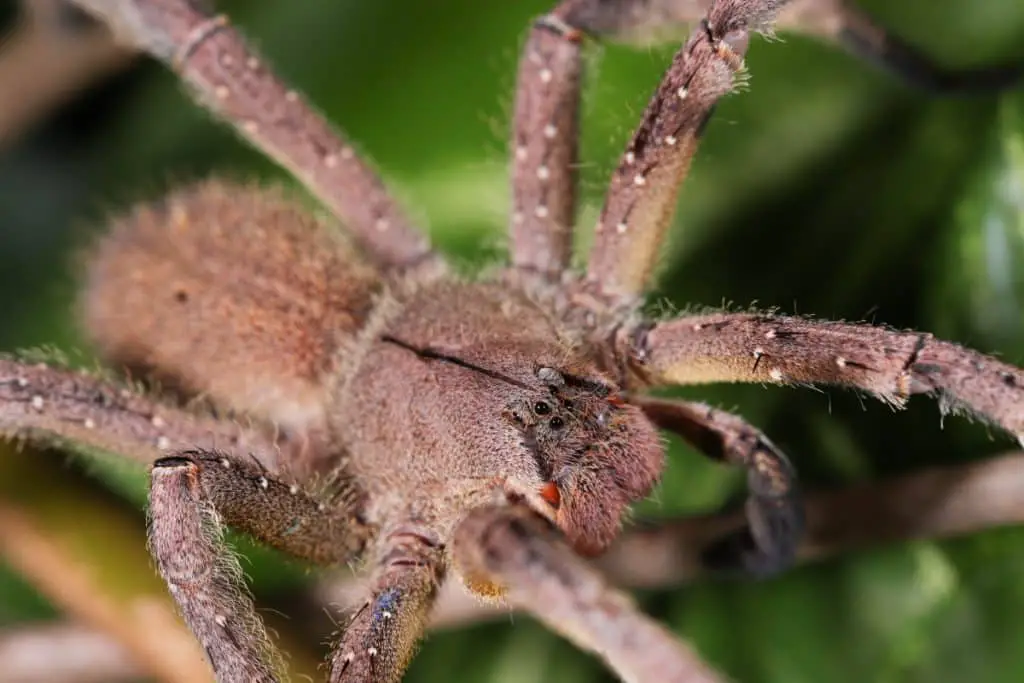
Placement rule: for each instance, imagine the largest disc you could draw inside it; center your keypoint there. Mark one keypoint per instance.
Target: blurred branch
(86, 655)
(46, 60)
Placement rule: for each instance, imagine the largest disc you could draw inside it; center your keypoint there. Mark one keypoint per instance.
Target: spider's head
(597, 453)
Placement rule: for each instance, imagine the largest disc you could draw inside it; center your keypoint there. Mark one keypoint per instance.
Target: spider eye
(556, 423)
(541, 408)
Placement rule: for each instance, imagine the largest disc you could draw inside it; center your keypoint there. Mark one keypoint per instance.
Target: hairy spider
(426, 425)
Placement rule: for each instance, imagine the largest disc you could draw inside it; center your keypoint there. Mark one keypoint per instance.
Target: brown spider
(427, 425)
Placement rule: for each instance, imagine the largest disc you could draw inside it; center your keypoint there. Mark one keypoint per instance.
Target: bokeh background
(827, 188)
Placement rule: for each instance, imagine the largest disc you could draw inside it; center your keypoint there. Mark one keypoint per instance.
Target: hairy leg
(891, 365)
(205, 578)
(226, 76)
(545, 145)
(774, 510)
(642, 196)
(194, 496)
(379, 641)
(841, 22)
(514, 549)
(72, 409)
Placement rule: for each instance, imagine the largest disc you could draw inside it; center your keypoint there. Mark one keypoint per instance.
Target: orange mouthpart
(549, 492)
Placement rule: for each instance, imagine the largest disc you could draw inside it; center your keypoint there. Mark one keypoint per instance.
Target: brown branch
(27, 655)
(44, 64)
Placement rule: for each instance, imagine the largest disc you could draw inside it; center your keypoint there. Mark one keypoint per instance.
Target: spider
(429, 426)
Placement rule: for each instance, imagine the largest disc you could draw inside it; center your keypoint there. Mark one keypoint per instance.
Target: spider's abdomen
(231, 291)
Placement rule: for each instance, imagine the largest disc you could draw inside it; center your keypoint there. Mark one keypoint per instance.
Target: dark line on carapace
(431, 354)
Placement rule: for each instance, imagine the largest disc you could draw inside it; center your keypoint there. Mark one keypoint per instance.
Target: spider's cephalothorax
(428, 425)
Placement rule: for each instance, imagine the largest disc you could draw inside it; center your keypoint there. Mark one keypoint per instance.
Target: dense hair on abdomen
(233, 291)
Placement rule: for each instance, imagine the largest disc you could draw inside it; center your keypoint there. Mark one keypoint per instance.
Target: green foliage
(828, 188)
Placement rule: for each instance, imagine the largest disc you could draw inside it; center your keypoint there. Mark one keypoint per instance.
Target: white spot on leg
(330, 161)
(518, 218)
(347, 153)
(546, 75)
(758, 352)
(163, 443)
(222, 92)
(770, 334)
(252, 63)
(37, 402)
(550, 131)
(841, 362)
(293, 489)
(521, 153)
(671, 140)
(386, 615)
(382, 225)
(220, 620)
(682, 92)
(541, 211)
(630, 158)
(543, 173)
(639, 180)
(776, 375)
(621, 228)
(372, 651)
(22, 382)
(263, 483)
(89, 423)
(158, 422)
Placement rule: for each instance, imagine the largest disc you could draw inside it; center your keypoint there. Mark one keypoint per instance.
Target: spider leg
(227, 77)
(513, 548)
(774, 510)
(545, 142)
(381, 637)
(891, 365)
(204, 577)
(642, 196)
(51, 406)
(194, 496)
(840, 22)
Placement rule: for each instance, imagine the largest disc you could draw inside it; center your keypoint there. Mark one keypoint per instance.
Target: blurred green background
(827, 188)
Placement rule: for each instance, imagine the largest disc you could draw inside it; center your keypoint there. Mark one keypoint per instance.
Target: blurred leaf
(982, 271)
